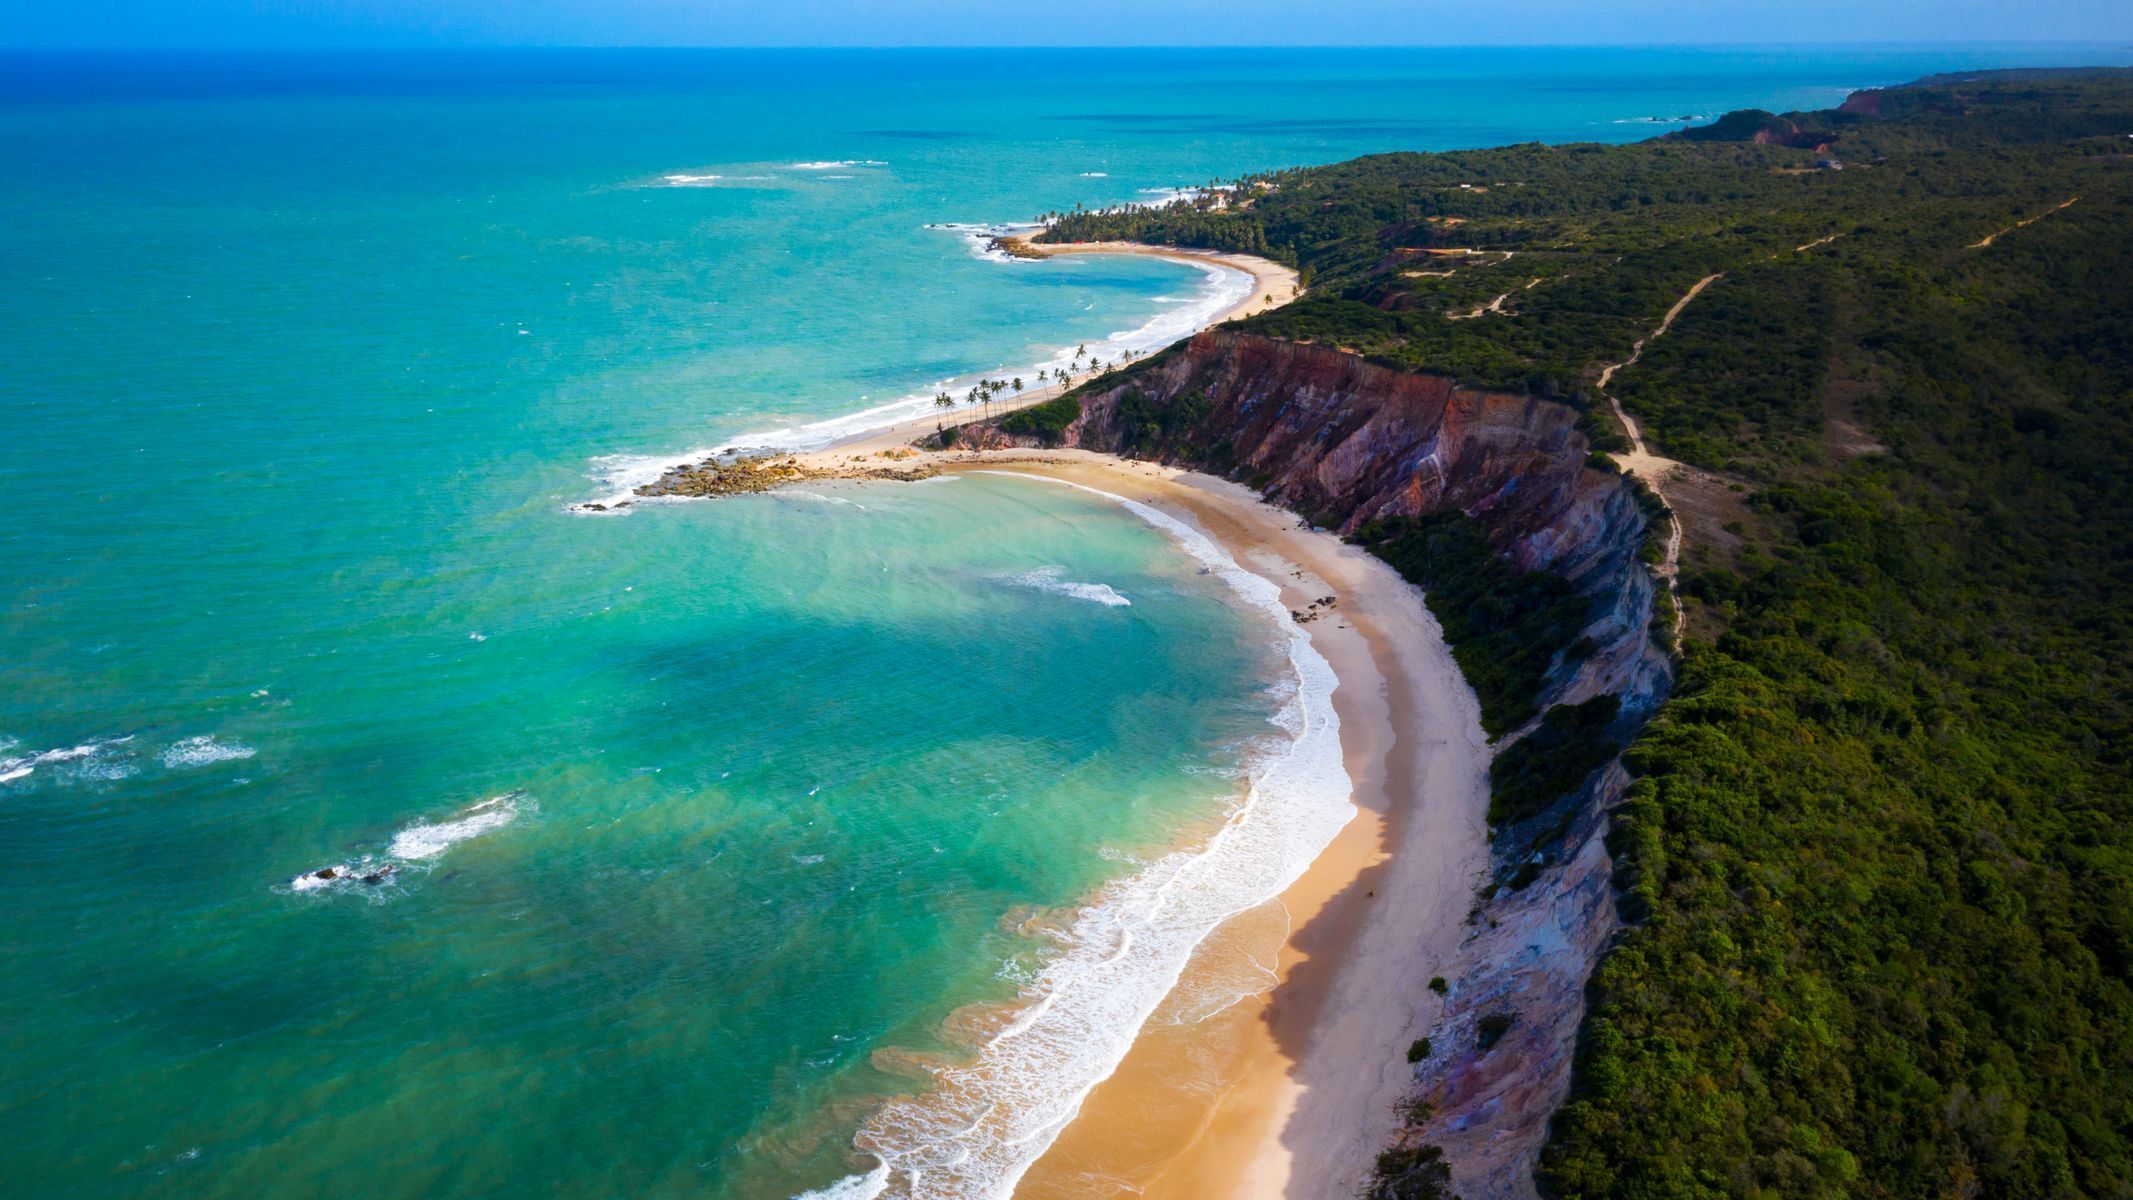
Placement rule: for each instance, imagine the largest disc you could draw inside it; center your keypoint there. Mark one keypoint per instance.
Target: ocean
(370, 819)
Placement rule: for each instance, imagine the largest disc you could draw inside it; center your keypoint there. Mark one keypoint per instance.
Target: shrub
(1505, 626)
(1046, 422)
(1410, 1173)
(1573, 741)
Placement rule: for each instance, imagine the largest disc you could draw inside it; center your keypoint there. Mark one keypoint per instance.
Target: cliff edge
(1347, 444)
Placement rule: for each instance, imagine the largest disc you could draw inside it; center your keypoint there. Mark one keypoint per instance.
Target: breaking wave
(1048, 579)
(981, 1126)
(619, 476)
(201, 751)
(414, 848)
(421, 841)
(92, 757)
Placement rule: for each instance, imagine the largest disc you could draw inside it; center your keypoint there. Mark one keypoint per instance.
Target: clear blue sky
(1073, 22)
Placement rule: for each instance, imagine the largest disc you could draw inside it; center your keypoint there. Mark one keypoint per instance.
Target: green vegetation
(1410, 1172)
(1572, 742)
(1150, 431)
(1880, 852)
(1046, 421)
(1505, 626)
(1418, 1051)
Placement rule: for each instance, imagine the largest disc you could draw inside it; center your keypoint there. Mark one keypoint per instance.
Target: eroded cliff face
(1344, 441)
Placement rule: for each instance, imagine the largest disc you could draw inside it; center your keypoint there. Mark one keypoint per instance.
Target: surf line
(984, 1124)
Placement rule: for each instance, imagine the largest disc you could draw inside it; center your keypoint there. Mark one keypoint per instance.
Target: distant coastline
(1196, 1128)
(735, 465)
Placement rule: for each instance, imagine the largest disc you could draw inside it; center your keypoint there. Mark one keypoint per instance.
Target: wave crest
(1049, 579)
(91, 758)
(201, 751)
(981, 1126)
(414, 848)
(620, 475)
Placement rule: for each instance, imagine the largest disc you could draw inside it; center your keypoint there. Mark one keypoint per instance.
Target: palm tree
(1016, 383)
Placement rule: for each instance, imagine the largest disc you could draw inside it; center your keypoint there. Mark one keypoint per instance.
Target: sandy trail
(1997, 234)
(1650, 468)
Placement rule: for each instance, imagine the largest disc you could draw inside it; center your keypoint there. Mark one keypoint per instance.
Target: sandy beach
(1272, 286)
(1292, 1091)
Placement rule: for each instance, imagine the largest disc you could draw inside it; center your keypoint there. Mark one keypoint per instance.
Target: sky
(271, 23)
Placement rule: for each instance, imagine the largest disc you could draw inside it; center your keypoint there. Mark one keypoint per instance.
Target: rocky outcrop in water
(748, 475)
(1344, 441)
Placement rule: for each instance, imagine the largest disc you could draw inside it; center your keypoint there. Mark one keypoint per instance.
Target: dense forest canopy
(1879, 855)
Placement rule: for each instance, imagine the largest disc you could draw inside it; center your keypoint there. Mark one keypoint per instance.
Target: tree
(1016, 383)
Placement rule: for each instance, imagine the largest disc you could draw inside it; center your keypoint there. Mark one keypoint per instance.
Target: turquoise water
(704, 821)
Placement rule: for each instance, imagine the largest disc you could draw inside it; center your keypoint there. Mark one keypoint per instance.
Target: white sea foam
(1096, 174)
(691, 180)
(819, 498)
(413, 849)
(201, 751)
(842, 162)
(1048, 579)
(620, 475)
(421, 841)
(90, 758)
(980, 236)
(853, 1187)
(979, 1128)
(324, 877)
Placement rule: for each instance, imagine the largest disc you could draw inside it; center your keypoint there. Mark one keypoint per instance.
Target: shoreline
(1293, 1089)
(1272, 285)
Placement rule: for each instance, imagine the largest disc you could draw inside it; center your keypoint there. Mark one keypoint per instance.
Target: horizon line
(1818, 44)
